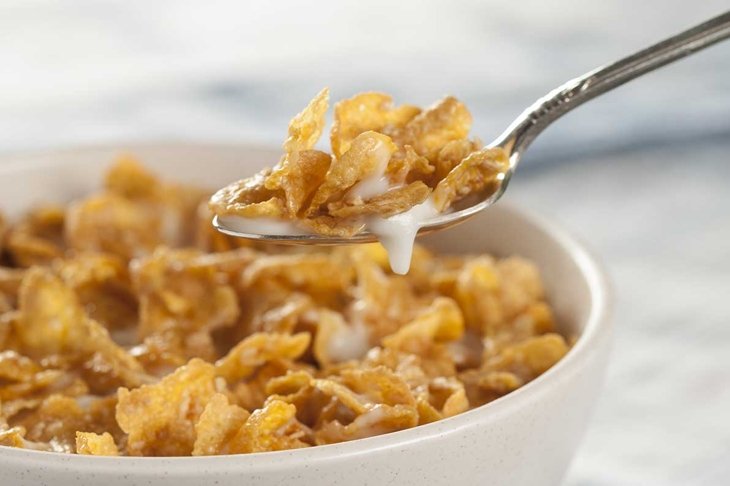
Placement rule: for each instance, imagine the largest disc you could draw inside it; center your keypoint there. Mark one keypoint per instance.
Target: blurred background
(642, 175)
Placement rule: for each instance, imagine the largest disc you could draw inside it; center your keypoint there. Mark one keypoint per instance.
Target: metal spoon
(520, 134)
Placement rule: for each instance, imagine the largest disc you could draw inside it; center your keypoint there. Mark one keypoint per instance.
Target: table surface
(660, 220)
(641, 175)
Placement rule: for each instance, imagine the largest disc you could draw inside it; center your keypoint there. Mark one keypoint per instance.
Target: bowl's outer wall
(526, 438)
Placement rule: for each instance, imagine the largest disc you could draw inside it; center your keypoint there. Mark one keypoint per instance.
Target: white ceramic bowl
(525, 438)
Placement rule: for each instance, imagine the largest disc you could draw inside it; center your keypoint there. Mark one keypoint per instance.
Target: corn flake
(13, 437)
(407, 166)
(160, 418)
(129, 179)
(530, 358)
(444, 122)
(322, 278)
(38, 239)
(217, 425)
(91, 444)
(248, 198)
(365, 112)
(441, 322)
(271, 428)
(472, 175)
(58, 418)
(257, 349)
(368, 155)
(306, 128)
(185, 293)
(382, 419)
(299, 177)
(451, 154)
(385, 205)
(53, 322)
(110, 223)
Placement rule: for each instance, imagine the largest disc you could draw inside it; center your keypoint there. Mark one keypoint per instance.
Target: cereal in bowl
(130, 327)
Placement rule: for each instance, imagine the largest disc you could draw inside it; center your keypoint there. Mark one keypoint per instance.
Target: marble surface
(660, 220)
(643, 175)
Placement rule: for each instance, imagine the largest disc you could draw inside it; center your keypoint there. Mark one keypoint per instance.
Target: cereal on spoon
(391, 167)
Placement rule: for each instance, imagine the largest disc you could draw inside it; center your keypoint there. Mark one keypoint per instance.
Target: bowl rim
(598, 324)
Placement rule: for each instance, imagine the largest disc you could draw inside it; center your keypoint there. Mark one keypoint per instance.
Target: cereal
(273, 427)
(184, 295)
(168, 409)
(300, 177)
(451, 154)
(431, 130)
(217, 425)
(472, 175)
(112, 224)
(123, 336)
(382, 419)
(103, 286)
(316, 274)
(513, 366)
(336, 340)
(386, 160)
(38, 240)
(365, 112)
(368, 156)
(441, 322)
(19, 396)
(449, 396)
(306, 128)
(379, 400)
(15, 367)
(52, 322)
(248, 197)
(129, 179)
(89, 443)
(257, 349)
(58, 418)
(387, 204)
(529, 358)
(13, 437)
(329, 225)
(407, 165)
(251, 393)
(10, 279)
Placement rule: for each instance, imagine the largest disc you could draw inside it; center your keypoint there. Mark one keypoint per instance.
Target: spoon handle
(577, 91)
